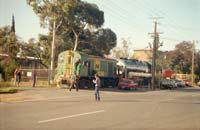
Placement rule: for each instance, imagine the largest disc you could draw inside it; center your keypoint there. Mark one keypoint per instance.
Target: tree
(77, 24)
(181, 57)
(8, 42)
(197, 64)
(70, 16)
(123, 50)
(98, 43)
(9, 45)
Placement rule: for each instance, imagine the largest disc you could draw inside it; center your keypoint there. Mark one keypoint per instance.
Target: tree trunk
(52, 53)
(76, 41)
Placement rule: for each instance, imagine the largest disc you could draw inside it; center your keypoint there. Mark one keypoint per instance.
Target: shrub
(7, 68)
(8, 90)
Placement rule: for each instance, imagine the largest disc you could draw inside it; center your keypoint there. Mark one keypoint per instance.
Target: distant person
(18, 77)
(15, 76)
(61, 80)
(97, 83)
(74, 83)
(34, 78)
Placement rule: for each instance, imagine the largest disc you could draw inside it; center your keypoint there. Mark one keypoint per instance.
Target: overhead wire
(171, 23)
(146, 9)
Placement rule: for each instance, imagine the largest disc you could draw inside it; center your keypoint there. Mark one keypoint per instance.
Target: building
(29, 64)
(143, 54)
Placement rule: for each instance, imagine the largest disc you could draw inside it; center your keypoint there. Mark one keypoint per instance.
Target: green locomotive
(85, 66)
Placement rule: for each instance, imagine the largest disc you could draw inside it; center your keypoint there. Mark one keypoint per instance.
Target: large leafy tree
(34, 49)
(181, 57)
(71, 16)
(99, 42)
(83, 16)
(40, 48)
(8, 42)
(9, 45)
(77, 27)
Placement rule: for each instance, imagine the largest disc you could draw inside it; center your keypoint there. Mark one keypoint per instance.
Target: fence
(41, 74)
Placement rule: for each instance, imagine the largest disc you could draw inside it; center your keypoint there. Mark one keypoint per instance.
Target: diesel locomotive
(85, 66)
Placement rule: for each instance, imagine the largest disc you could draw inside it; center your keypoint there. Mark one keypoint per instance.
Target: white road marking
(71, 116)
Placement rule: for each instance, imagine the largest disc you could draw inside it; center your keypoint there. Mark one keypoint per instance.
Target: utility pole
(52, 51)
(154, 56)
(193, 51)
(154, 53)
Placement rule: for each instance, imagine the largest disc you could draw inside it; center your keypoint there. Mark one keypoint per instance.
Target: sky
(179, 20)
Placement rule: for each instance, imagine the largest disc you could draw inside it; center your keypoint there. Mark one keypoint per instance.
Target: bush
(7, 68)
(8, 90)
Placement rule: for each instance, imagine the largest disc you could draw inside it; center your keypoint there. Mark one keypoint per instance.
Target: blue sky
(127, 18)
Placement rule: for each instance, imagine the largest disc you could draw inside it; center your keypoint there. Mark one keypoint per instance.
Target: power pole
(154, 53)
(153, 71)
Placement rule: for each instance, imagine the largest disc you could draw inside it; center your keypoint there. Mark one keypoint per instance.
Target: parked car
(167, 84)
(127, 84)
(187, 82)
(198, 83)
(179, 83)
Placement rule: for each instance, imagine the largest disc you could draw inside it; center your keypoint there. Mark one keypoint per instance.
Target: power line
(171, 39)
(170, 21)
(142, 8)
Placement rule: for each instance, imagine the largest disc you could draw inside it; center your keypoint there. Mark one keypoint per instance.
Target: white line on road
(71, 116)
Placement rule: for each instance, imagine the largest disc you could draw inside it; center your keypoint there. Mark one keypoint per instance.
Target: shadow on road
(188, 90)
(140, 89)
(149, 101)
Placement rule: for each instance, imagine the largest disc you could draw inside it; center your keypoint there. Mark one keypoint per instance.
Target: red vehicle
(127, 84)
(167, 73)
(187, 82)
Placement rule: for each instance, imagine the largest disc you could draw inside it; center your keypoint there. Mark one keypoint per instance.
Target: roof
(24, 57)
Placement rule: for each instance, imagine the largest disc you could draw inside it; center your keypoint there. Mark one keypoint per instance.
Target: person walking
(74, 83)
(15, 76)
(34, 78)
(97, 83)
(18, 77)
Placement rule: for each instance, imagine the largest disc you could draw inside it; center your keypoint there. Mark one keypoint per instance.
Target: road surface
(59, 109)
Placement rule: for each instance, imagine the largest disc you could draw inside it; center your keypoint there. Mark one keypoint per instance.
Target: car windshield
(126, 81)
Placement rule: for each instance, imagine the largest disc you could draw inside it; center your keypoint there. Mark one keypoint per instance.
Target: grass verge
(8, 90)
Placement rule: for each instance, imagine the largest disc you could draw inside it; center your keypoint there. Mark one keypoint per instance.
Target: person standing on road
(97, 83)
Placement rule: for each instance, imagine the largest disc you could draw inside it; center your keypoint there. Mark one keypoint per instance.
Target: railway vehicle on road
(85, 66)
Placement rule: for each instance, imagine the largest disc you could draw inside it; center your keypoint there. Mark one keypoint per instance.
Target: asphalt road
(59, 109)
